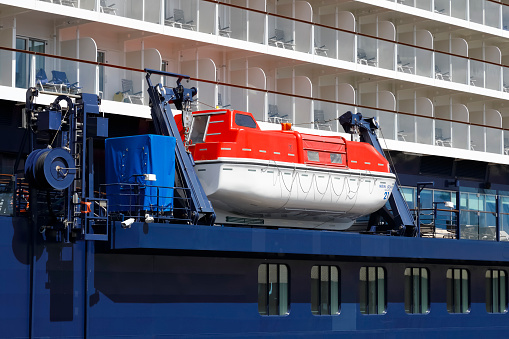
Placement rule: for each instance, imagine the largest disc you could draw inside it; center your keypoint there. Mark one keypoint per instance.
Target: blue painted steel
(128, 159)
(165, 125)
(49, 120)
(297, 241)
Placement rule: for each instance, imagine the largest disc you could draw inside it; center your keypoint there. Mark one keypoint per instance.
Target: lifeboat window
(244, 120)
(325, 290)
(416, 290)
(336, 158)
(313, 156)
(273, 289)
(373, 290)
(198, 129)
(496, 295)
(458, 290)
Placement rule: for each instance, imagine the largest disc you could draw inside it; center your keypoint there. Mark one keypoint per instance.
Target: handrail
(259, 90)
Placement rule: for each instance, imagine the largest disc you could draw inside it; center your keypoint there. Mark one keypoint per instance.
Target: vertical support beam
(498, 216)
(458, 223)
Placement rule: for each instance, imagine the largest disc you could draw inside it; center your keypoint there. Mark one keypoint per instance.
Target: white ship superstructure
(431, 71)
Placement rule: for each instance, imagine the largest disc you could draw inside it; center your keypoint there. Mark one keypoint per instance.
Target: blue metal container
(131, 164)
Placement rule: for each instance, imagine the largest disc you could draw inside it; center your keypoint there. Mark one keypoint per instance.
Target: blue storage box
(128, 160)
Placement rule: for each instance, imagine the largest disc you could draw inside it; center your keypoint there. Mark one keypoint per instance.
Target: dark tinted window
(244, 120)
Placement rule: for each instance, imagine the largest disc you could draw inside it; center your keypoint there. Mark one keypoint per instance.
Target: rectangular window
(496, 291)
(313, 156)
(416, 290)
(458, 295)
(373, 290)
(336, 158)
(273, 294)
(198, 129)
(325, 290)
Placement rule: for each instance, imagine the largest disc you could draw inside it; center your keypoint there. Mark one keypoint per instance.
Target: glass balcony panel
(459, 68)
(256, 104)
(237, 98)
(460, 135)
(325, 42)
(442, 7)
(345, 46)
(442, 66)
(387, 122)
(256, 27)
(282, 33)
(386, 55)
(152, 11)
(505, 18)
(206, 17)
(505, 79)
(406, 128)
(492, 14)
(493, 73)
(424, 130)
(112, 85)
(22, 69)
(87, 77)
(302, 37)
(279, 108)
(476, 9)
(367, 51)
(477, 73)
(459, 9)
(506, 142)
(205, 97)
(423, 4)
(324, 116)
(477, 135)
(238, 21)
(6, 67)
(494, 140)
(406, 59)
(443, 133)
(303, 112)
(180, 14)
(423, 63)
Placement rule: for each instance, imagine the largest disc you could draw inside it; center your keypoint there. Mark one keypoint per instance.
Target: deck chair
(320, 122)
(440, 140)
(179, 20)
(108, 9)
(405, 68)
(72, 3)
(439, 11)
(60, 80)
(42, 81)
(129, 94)
(320, 50)
(279, 40)
(401, 135)
(274, 115)
(441, 75)
(223, 31)
(363, 59)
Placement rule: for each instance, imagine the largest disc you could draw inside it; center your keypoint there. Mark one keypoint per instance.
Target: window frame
(494, 306)
(369, 297)
(415, 276)
(318, 292)
(455, 289)
(264, 293)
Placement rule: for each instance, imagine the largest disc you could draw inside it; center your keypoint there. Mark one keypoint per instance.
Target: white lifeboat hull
(292, 195)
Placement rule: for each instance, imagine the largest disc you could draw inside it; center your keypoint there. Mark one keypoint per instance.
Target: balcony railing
(127, 85)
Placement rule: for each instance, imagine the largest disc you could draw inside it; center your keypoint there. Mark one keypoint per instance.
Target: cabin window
(458, 296)
(496, 291)
(244, 120)
(198, 129)
(373, 290)
(324, 290)
(416, 290)
(313, 156)
(273, 291)
(336, 158)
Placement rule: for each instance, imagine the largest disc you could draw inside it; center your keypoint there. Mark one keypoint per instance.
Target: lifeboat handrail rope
(310, 185)
(342, 189)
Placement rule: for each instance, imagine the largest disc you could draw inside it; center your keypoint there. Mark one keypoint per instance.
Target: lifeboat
(284, 178)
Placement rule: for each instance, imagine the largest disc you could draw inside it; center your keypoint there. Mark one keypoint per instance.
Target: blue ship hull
(201, 281)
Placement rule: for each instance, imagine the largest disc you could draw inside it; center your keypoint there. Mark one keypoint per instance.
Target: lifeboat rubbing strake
(284, 177)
